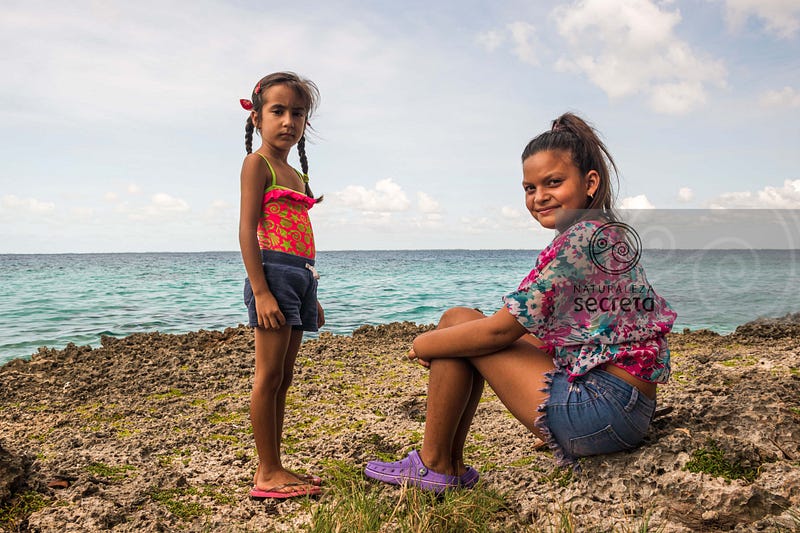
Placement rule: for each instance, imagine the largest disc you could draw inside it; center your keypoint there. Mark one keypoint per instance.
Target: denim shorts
(294, 285)
(597, 413)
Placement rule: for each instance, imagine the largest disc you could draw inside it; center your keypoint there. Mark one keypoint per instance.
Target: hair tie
(557, 126)
(247, 105)
(258, 88)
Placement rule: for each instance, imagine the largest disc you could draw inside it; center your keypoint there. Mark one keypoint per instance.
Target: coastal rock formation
(151, 433)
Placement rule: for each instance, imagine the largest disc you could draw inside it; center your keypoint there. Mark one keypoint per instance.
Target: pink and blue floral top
(589, 301)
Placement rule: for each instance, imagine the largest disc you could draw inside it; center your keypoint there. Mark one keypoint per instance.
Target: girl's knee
(459, 315)
(268, 383)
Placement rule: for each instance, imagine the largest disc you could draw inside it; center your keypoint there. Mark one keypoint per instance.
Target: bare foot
(304, 478)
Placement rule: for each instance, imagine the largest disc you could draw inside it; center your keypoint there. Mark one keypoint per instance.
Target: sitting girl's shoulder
(587, 226)
(579, 233)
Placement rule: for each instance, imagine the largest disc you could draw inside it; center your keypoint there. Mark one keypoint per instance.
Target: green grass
(112, 473)
(740, 361)
(711, 459)
(352, 503)
(560, 476)
(14, 511)
(171, 393)
(226, 418)
(175, 500)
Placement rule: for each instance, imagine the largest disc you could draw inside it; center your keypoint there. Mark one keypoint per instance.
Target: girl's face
(282, 119)
(555, 189)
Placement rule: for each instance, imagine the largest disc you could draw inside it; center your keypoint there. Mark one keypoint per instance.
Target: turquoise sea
(51, 300)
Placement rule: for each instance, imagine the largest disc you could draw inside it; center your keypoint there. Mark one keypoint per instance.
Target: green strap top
(273, 184)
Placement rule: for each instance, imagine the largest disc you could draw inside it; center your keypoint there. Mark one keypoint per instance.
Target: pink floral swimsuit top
(284, 225)
(589, 301)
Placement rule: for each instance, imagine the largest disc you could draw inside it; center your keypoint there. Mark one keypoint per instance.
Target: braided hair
(572, 134)
(308, 93)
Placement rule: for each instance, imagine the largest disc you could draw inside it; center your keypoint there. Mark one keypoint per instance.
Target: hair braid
(248, 135)
(301, 149)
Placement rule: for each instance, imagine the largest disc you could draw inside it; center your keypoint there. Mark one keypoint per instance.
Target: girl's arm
(320, 315)
(253, 181)
(470, 339)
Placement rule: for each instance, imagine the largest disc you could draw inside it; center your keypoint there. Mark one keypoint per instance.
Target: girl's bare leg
(267, 403)
(449, 392)
(460, 439)
(454, 390)
(295, 340)
(516, 374)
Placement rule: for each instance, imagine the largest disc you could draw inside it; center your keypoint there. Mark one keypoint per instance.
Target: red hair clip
(247, 105)
(258, 88)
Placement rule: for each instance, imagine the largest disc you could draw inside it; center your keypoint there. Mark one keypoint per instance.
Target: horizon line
(384, 250)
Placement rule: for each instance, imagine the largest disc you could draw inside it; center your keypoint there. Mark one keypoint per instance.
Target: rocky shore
(151, 433)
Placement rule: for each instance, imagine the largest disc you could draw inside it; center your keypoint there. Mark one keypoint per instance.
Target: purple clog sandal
(412, 472)
(469, 478)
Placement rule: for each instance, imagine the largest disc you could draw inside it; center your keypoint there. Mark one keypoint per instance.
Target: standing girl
(582, 338)
(277, 246)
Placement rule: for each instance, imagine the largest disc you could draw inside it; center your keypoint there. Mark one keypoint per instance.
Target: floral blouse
(589, 301)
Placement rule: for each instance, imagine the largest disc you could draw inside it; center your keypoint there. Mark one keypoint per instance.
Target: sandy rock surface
(131, 435)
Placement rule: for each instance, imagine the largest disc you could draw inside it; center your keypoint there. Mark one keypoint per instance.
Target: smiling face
(555, 189)
(282, 118)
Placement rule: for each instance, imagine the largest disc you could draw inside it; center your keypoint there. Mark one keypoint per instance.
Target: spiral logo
(615, 248)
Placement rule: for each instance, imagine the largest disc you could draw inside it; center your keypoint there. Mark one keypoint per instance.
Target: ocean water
(51, 300)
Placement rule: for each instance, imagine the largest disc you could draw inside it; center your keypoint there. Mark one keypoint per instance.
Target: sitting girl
(582, 338)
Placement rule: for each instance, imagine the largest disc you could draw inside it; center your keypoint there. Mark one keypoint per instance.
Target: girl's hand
(269, 313)
(413, 355)
(320, 315)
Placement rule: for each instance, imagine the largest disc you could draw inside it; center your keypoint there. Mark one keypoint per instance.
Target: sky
(122, 131)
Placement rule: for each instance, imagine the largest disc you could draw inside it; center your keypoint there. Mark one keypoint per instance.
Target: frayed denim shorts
(292, 280)
(597, 413)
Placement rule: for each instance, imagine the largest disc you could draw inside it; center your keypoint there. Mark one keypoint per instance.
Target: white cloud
(82, 213)
(525, 44)
(780, 17)
(523, 39)
(786, 98)
(164, 202)
(14, 203)
(220, 204)
(428, 204)
(685, 194)
(134, 189)
(387, 196)
(433, 221)
(636, 202)
(677, 98)
(786, 197)
(111, 197)
(516, 218)
(490, 40)
(162, 206)
(631, 47)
